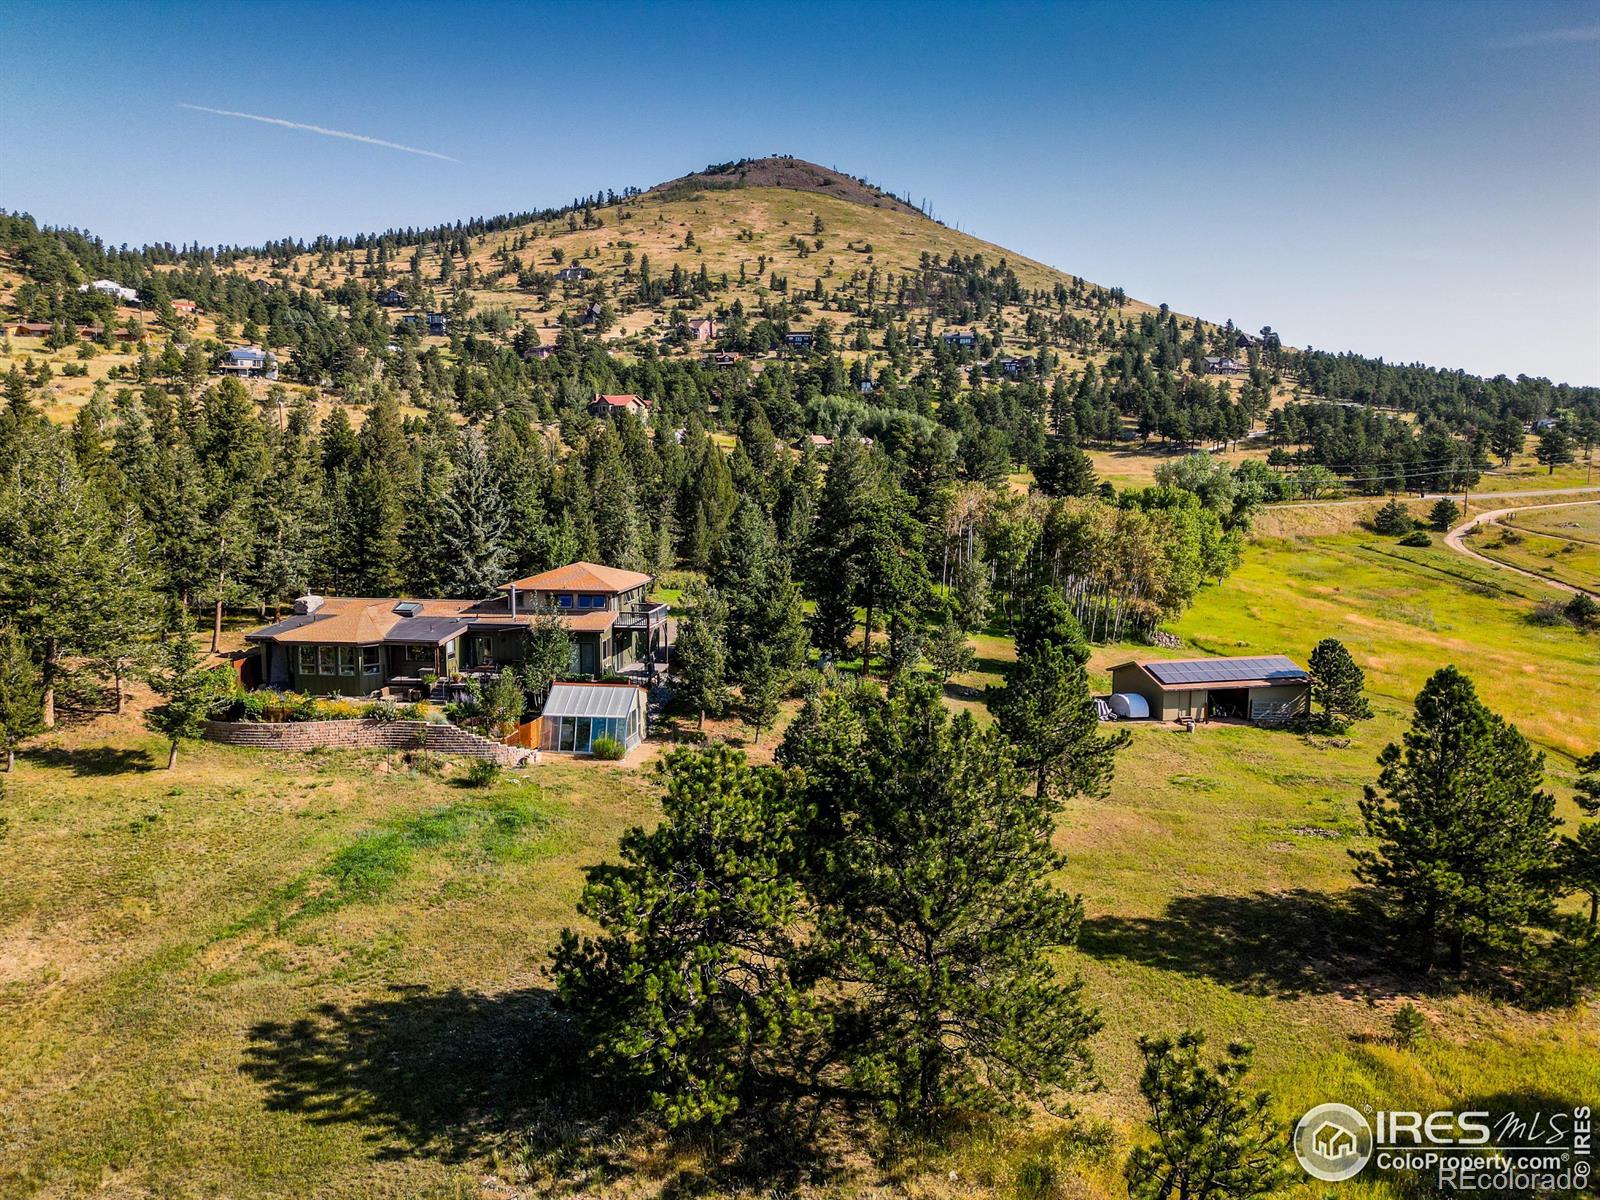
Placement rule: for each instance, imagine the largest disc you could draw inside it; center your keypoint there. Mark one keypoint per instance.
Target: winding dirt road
(1454, 539)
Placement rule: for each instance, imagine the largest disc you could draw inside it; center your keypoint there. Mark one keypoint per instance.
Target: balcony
(641, 616)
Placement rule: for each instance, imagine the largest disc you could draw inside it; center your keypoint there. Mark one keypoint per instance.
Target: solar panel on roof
(1225, 670)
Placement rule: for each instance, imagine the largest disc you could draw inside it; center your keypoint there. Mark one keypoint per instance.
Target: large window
(371, 660)
(579, 734)
(347, 660)
(308, 660)
(327, 660)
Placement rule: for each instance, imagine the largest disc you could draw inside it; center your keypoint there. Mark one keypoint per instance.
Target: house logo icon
(1333, 1142)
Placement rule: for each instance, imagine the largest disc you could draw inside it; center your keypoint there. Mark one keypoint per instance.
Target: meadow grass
(275, 975)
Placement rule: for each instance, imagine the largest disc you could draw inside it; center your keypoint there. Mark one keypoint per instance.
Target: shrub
(481, 772)
(1416, 538)
(1444, 514)
(381, 710)
(1407, 1026)
(607, 748)
(253, 706)
(337, 710)
(1582, 611)
(412, 712)
(300, 708)
(1547, 613)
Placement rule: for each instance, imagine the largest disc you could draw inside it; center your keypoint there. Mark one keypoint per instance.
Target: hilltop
(785, 171)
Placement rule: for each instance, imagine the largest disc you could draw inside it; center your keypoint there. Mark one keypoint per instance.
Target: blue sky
(1416, 181)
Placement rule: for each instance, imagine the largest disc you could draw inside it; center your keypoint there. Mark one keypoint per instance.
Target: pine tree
(932, 868)
(71, 579)
(948, 651)
(700, 654)
(1048, 713)
(1465, 836)
(1554, 449)
(1507, 438)
(1578, 856)
(191, 690)
(472, 531)
(688, 988)
(1337, 684)
(21, 694)
(1444, 514)
(1392, 520)
(548, 655)
(761, 690)
(1214, 1141)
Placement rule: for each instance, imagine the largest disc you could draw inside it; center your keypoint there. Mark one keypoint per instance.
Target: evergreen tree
(376, 551)
(1465, 835)
(1337, 684)
(1214, 1141)
(472, 532)
(948, 651)
(688, 988)
(71, 579)
(1444, 514)
(1392, 520)
(549, 652)
(700, 656)
(932, 869)
(1047, 712)
(761, 690)
(1578, 856)
(191, 691)
(1507, 438)
(1554, 449)
(21, 694)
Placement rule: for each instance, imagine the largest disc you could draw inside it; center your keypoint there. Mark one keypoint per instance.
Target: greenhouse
(576, 714)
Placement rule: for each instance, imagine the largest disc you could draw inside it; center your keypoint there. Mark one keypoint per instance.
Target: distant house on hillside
(185, 308)
(539, 353)
(592, 313)
(573, 274)
(703, 329)
(110, 287)
(1222, 366)
(959, 338)
(800, 341)
(1244, 341)
(725, 358)
(437, 325)
(604, 405)
(249, 362)
(392, 298)
(1017, 366)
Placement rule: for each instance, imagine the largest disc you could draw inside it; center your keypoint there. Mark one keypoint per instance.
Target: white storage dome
(1130, 705)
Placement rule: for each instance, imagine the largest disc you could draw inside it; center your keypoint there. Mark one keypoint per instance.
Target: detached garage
(1268, 690)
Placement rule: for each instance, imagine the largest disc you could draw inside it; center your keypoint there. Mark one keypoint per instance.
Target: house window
(308, 660)
(347, 660)
(327, 660)
(371, 660)
(564, 600)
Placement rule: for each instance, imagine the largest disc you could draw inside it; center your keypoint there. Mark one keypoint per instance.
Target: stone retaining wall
(365, 734)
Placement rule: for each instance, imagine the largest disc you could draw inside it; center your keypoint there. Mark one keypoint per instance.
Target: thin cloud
(333, 133)
(1554, 37)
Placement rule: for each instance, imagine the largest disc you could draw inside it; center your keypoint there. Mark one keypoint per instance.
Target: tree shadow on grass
(1282, 944)
(438, 1074)
(453, 1075)
(94, 762)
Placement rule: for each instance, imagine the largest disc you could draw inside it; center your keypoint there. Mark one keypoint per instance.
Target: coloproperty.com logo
(1468, 1151)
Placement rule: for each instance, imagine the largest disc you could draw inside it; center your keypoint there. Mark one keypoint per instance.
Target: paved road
(1481, 497)
(1453, 539)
